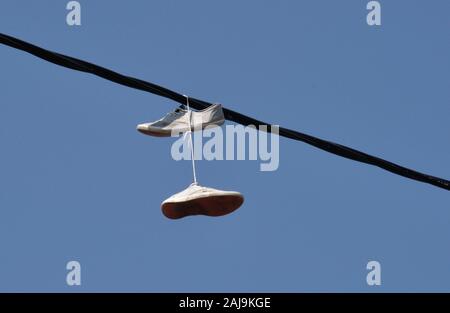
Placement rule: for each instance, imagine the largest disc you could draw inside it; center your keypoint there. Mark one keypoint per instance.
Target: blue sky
(77, 182)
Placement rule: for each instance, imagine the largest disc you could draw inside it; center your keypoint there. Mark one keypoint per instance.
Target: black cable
(230, 115)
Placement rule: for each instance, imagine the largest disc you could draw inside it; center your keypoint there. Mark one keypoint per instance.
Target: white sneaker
(177, 122)
(198, 200)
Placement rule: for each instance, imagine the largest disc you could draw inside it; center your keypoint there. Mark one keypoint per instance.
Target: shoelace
(190, 139)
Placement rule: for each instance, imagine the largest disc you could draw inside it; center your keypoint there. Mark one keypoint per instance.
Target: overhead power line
(329, 146)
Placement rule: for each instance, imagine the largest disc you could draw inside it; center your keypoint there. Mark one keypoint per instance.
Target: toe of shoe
(142, 127)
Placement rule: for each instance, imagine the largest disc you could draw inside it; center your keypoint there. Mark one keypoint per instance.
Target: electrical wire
(329, 146)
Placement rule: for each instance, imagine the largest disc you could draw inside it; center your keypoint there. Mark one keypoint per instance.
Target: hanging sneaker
(198, 200)
(177, 122)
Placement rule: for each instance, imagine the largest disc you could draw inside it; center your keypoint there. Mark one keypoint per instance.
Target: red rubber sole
(209, 206)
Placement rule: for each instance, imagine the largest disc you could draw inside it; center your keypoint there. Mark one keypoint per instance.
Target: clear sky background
(78, 182)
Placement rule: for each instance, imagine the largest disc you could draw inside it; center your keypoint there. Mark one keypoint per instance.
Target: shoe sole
(209, 206)
(158, 132)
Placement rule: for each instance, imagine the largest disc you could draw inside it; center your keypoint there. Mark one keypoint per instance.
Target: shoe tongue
(181, 108)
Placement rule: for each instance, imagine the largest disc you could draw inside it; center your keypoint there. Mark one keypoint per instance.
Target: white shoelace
(190, 143)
